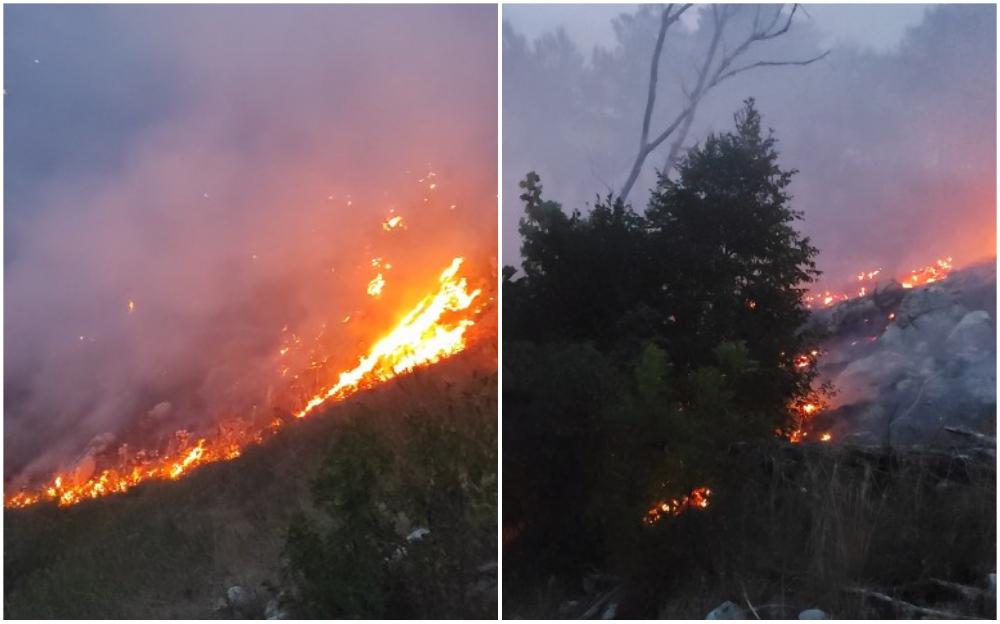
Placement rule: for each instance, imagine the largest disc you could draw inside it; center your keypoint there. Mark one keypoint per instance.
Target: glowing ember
(376, 285)
(802, 411)
(697, 499)
(928, 274)
(826, 437)
(393, 223)
(434, 329)
(867, 280)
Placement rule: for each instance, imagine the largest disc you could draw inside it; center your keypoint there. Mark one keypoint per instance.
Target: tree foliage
(640, 347)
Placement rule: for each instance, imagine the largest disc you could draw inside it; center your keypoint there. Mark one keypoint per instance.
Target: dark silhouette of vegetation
(641, 348)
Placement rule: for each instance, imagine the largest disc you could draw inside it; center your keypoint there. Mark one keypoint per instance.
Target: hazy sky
(877, 26)
(892, 134)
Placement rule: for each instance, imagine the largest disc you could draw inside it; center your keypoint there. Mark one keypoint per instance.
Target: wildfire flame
(928, 274)
(432, 330)
(697, 499)
(866, 280)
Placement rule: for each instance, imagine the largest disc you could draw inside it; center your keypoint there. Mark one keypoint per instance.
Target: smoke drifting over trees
(229, 179)
(895, 148)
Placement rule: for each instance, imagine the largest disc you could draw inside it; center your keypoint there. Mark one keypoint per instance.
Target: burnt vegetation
(650, 353)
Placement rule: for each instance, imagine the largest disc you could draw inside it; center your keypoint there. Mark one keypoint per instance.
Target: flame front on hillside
(866, 281)
(432, 330)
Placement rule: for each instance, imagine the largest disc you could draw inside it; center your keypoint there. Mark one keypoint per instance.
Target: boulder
(273, 611)
(610, 611)
(922, 301)
(865, 378)
(240, 600)
(973, 338)
(727, 611)
(813, 614)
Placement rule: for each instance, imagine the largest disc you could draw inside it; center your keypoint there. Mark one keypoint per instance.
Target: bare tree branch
(669, 17)
(908, 608)
(709, 76)
(740, 70)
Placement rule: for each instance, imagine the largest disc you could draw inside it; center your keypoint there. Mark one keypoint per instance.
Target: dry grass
(170, 550)
(801, 527)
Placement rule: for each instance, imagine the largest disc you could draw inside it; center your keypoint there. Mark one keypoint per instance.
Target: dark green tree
(733, 266)
(640, 349)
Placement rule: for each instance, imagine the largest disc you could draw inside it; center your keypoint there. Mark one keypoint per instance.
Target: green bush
(380, 481)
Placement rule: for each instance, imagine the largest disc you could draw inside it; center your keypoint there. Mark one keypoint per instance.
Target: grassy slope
(170, 550)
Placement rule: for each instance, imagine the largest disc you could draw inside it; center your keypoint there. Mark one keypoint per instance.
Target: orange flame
(929, 274)
(697, 499)
(428, 333)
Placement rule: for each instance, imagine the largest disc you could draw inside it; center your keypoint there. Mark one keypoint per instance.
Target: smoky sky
(227, 169)
(892, 134)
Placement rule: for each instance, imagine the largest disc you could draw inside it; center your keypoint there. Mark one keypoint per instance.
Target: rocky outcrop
(908, 366)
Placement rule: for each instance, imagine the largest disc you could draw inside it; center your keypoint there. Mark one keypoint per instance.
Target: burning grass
(170, 549)
(433, 329)
(865, 283)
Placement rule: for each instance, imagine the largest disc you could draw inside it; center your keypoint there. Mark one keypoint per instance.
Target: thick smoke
(251, 201)
(896, 149)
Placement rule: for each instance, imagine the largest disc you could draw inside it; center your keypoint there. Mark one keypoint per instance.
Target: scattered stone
(273, 611)
(727, 611)
(239, 599)
(610, 611)
(814, 614)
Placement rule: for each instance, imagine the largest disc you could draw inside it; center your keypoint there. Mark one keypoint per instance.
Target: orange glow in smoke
(432, 330)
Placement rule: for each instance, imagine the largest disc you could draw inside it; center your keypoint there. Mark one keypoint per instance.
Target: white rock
(726, 611)
(973, 338)
(814, 614)
(238, 598)
(273, 611)
(610, 612)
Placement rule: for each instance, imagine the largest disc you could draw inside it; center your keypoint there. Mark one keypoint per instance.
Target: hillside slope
(172, 549)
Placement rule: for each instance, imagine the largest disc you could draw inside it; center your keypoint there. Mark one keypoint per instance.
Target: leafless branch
(709, 75)
(907, 608)
(740, 70)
